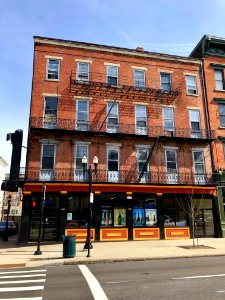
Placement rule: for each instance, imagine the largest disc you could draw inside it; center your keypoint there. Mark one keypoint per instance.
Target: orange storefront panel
(112, 234)
(81, 234)
(177, 233)
(146, 234)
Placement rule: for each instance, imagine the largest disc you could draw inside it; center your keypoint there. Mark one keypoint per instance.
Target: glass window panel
(113, 155)
(142, 154)
(112, 165)
(51, 106)
(53, 69)
(112, 71)
(139, 78)
(171, 156)
(194, 115)
(81, 151)
(191, 84)
(198, 157)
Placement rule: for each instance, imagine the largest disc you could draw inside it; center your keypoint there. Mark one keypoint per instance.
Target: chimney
(139, 49)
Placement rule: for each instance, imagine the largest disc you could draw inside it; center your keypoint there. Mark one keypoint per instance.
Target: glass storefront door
(204, 225)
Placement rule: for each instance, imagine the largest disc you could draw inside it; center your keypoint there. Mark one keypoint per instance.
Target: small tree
(191, 207)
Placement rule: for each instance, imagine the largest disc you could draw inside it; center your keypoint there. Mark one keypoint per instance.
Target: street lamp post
(90, 171)
(38, 251)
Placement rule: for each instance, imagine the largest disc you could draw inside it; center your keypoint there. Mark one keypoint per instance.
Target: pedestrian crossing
(22, 284)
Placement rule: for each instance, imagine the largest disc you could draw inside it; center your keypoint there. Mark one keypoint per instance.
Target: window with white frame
(165, 80)
(81, 150)
(83, 71)
(171, 166)
(199, 166)
(82, 115)
(113, 164)
(143, 168)
(221, 107)
(141, 119)
(112, 75)
(195, 123)
(191, 84)
(53, 69)
(112, 117)
(50, 114)
(47, 162)
(219, 79)
(168, 118)
(139, 78)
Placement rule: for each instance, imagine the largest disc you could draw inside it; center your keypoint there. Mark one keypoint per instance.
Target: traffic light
(34, 203)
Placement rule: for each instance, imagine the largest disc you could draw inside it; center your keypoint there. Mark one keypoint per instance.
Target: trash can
(69, 246)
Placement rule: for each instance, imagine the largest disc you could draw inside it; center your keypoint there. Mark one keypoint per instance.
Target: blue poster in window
(138, 217)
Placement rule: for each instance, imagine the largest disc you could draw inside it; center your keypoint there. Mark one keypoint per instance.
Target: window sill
(220, 127)
(47, 79)
(193, 95)
(220, 91)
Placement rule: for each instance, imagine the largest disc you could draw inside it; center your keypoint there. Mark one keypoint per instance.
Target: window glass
(165, 82)
(195, 123)
(53, 69)
(142, 157)
(48, 156)
(199, 162)
(81, 150)
(113, 160)
(82, 115)
(171, 161)
(139, 78)
(112, 75)
(191, 85)
(168, 118)
(51, 106)
(222, 114)
(141, 115)
(112, 118)
(83, 71)
(219, 79)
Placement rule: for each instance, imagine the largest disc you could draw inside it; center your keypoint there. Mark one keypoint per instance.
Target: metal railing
(122, 128)
(106, 176)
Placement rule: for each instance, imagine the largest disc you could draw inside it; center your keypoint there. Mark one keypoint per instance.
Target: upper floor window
(142, 156)
(199, 166)
(81, 150)
(219, 79)
(165, 80)
(139, 78)
(112, 75)
(113, 164)
(53, 69)
(191, 85)
(222, 114)
(50, 114)
(195, 123)
(171, 166)
(83, 71)
(112, 117)
(168, 118)
(82, 115)
(141, 119)
(48, 156)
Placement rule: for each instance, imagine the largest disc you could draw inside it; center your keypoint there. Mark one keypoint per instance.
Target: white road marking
(201, 276)
(18, 289)
(31, 271)
(116, 281)
(93, 283)
(32, 298)
(23, 276)
(22, 281)
(220, 291)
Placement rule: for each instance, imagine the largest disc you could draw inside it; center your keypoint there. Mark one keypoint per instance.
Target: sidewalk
(12, 256)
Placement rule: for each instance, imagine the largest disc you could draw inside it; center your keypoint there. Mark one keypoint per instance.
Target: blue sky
(167, 26)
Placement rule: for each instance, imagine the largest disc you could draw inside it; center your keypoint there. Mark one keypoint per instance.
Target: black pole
(38, 251)
(5, 237)
(88, 245)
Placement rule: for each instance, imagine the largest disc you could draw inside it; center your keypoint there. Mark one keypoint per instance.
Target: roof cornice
(112, 49)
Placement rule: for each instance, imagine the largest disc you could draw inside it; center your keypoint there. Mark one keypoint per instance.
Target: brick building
(211, 51)
(143, 115)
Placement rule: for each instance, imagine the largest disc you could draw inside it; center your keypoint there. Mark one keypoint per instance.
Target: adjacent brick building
(144, 116)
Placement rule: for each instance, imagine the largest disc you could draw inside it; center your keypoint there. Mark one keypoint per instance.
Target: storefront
(121, 215)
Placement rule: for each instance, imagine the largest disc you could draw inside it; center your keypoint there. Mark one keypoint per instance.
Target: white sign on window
(69, 216)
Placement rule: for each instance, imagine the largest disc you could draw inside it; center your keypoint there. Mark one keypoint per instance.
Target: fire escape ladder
(148, 158)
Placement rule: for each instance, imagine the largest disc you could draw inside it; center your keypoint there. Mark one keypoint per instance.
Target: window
(47, 162)
(112, 118)
(53, 69)
(82, 115)
(81, 150)
(195, 123)
(222, 114)
(113, 164)
(219, 79)
(112, 75)
(165, 80)
(171, 166)
(191, 85)
(139, 78)
(142, 156)
(50, 115)
(168, 118)
(141, 119)
(199, 166)
(83, 71)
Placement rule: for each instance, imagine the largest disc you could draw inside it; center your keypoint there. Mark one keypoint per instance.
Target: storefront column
(159, 205)
(62, 214)
(23, 230)
(218, 213)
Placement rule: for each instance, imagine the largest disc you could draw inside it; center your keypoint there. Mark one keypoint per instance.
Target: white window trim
(53, 57)
(175, 150)
(47, 64)
(112, 76)
(203, 152)
(163, 113)
(77, 100)
(51, 95)
(194, 121)
(48, 142)
(117, 104)
(77, 70)
(80, 143)
(107, 152)
(161, 81)
(139, 68)
(142, 146)
(83, 60)
(114, 145)
(165, 71)
(111, 64)
(144, 71)
(86, 144)
(170, 148)
(145, 115)
(193, 75)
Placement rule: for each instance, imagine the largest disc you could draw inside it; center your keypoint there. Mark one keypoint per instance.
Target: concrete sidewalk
(12, 256)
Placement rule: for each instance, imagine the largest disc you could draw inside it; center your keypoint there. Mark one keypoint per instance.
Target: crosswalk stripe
(18, 289)
(22, 281)
(30, 271)
(23, 276)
